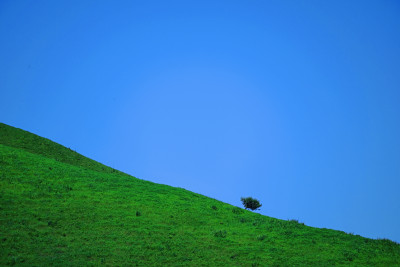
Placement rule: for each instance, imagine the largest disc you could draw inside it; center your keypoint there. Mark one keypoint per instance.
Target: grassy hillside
(60, 208)
(14, 137)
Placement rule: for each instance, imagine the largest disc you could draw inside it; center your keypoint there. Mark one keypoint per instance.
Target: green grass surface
(60, 208)
(14, 137)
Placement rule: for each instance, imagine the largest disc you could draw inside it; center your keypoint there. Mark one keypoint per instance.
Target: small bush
(296, 222)
(237, 210)
(220, 233)
(261, 237)
(138, 213)
(250, 203)
(214, 207)
(287, 232)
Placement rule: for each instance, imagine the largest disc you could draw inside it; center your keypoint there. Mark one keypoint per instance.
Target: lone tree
(250, 203)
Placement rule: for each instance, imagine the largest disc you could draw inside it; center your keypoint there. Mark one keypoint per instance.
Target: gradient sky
(295, 103)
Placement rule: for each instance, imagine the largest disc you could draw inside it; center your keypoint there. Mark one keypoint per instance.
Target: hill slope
(14, 137)
(60, 208)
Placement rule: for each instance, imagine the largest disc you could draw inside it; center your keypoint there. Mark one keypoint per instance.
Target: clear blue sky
(296, 103)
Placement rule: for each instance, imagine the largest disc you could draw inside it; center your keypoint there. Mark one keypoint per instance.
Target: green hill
(60, 208)
(14, 137)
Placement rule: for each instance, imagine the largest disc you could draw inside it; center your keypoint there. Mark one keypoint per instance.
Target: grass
(60, 208)
(18, 138)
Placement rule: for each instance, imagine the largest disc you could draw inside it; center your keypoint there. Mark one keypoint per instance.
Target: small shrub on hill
(220, 233)
(237, 210)
(250, 203)
(261, 237)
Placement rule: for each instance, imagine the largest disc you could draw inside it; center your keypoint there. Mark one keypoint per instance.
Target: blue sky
(296, 103)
